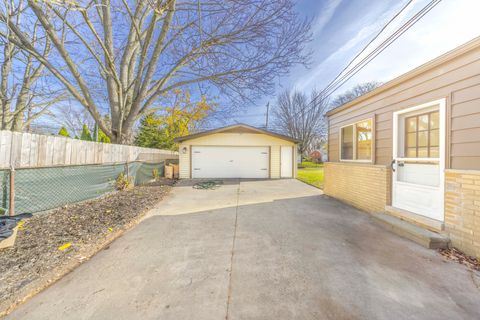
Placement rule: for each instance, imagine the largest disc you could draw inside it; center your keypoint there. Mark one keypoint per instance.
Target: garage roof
(236, 128)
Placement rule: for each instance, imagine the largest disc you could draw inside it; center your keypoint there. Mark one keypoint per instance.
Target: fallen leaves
(65, 246)
(460, 257)
(21, 225)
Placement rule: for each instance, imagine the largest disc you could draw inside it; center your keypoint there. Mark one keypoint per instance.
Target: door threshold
(417, 219)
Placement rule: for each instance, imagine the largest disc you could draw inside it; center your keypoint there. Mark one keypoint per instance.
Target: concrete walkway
(260, 250)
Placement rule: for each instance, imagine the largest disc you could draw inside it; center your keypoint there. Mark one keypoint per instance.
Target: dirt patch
(460, 257)
(50, 245)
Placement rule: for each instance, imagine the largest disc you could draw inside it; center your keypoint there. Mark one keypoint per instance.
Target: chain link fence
(41, 189)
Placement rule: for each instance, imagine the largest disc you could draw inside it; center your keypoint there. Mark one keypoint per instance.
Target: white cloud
(327, 13)
(448, 25)
(348, 50)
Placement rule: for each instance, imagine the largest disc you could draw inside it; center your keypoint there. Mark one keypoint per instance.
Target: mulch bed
(84, 228)
(460, 257)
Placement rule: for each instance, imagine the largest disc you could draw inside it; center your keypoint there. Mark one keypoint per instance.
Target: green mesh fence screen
(144, 172)
(40, 189)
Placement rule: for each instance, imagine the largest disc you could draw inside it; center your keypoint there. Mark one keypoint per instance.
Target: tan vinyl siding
(465, 128)
(457, 80)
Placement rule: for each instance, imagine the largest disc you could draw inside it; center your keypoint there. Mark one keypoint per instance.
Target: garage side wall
(236, 139)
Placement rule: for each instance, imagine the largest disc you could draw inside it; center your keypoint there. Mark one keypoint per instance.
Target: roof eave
(219, 130)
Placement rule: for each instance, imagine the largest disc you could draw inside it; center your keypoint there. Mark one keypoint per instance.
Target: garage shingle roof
(236, 128)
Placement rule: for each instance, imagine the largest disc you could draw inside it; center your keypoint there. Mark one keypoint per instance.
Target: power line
(385, 44)
(370, 42)
(337, 83)
(382, 47)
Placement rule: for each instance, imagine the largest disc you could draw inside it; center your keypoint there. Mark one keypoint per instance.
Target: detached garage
(237, 151)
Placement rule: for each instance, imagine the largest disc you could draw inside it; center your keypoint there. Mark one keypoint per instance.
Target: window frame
(417, 131)
(354, 136)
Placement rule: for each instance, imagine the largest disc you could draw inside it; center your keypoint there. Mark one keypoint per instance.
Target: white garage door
(230, 162)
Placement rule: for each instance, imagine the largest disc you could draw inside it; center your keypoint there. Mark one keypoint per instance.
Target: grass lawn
(312, 176)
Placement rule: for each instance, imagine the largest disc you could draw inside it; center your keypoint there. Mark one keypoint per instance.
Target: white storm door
(230, 162)
(419, 159)
(286, 162)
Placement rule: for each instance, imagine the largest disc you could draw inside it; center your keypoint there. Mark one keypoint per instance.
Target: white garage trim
(230, 161)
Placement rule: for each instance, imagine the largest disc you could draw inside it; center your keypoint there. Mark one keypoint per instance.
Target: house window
(356, 141)
(347, 143)
(422, 138)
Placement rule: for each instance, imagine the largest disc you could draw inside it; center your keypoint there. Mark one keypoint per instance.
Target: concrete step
(419, 220)
(426, 238)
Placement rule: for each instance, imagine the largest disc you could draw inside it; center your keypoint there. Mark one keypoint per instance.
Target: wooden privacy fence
(26, 150)
(41, 172)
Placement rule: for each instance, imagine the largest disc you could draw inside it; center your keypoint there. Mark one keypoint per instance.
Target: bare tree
(24, 93)
(301, 117)
(73, 118)
(357, 91)
(123, 57)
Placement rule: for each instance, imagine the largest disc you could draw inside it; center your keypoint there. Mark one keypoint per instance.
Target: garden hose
(208, 185)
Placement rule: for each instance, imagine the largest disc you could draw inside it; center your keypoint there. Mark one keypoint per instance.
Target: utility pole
(266, 116)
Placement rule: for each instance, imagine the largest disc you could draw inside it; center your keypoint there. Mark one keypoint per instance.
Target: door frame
(441, 103)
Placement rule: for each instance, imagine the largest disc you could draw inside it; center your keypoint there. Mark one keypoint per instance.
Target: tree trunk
(5, 71)
(121, 133)
(18, 121)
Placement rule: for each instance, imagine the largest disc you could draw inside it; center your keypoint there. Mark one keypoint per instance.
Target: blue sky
(341, 28)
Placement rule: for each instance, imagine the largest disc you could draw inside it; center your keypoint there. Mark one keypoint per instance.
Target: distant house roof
(472, 44)
(236, 128)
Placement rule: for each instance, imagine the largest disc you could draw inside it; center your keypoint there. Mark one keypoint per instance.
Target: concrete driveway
(260, 250)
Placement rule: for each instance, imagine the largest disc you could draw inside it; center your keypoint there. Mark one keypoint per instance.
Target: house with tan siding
(410, 149)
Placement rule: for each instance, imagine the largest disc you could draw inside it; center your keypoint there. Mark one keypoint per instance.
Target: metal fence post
(11, 202)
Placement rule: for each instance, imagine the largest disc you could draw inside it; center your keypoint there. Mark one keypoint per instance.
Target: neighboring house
(411, 148)
(237, 151)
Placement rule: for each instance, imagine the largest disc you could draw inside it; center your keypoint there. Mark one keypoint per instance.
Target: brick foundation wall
(364, 186)
(462, 209)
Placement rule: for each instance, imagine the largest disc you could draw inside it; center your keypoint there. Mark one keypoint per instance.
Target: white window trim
(355, 142)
